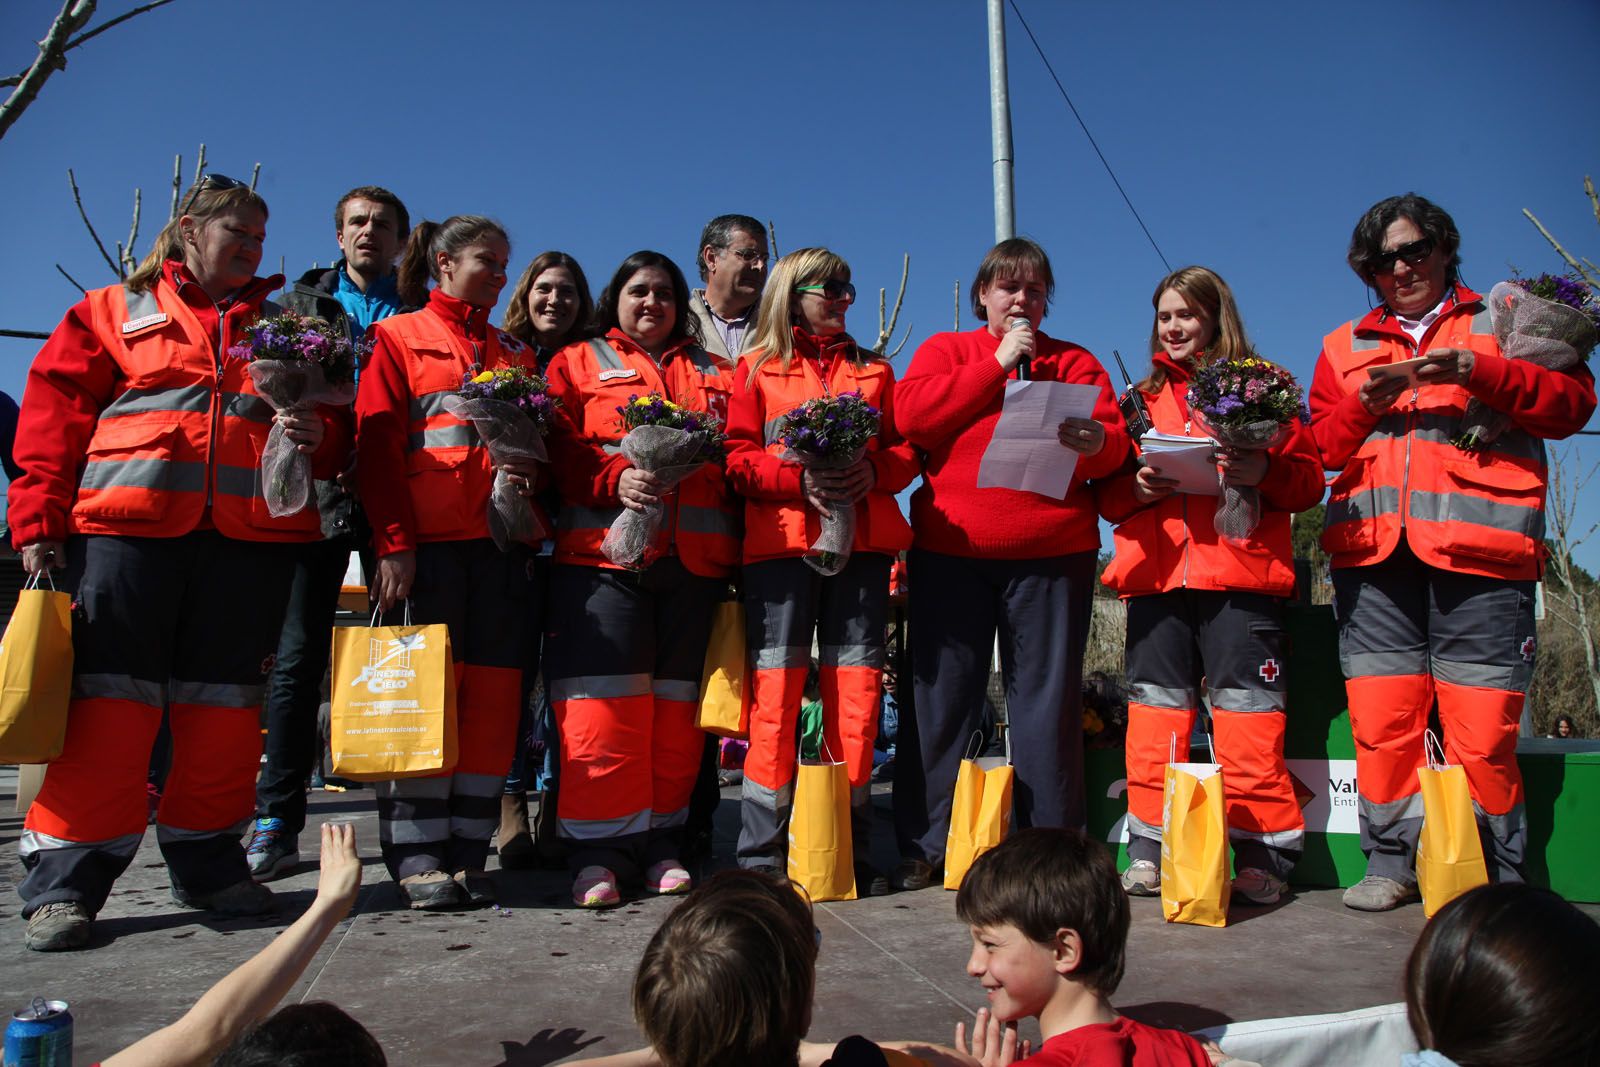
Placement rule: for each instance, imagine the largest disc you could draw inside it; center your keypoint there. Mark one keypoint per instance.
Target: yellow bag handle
(1430, 746)
(33, 579)
(377, 615)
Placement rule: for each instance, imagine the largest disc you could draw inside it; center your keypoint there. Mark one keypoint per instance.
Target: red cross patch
(1527, 650)
(1269, 671)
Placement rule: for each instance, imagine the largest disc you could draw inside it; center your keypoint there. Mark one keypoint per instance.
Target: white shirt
(1417, 327)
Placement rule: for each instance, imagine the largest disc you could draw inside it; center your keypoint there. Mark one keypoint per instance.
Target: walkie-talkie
(1134, 411)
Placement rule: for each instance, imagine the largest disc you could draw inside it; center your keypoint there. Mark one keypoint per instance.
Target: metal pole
(1005, 218)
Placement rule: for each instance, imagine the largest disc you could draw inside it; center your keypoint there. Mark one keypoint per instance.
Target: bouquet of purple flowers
(511, 409)
(1247, 404)
(671, 442)
(296, 362)
(1552, 321)
(830, 433)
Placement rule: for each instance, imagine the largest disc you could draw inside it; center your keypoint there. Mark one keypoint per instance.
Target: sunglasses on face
(1413, 253)
(831, 289)
(210, 183)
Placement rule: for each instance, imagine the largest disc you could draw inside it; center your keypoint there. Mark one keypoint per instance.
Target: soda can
(40, 1035)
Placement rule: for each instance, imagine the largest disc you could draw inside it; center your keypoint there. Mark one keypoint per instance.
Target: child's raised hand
(993, 1045)
(340, 879)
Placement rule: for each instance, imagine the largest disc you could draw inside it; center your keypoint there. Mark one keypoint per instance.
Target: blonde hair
(774, 337)
(201, 204)
(1205, 289)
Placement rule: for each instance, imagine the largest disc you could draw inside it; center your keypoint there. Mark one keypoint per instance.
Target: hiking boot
(272, 852)
(596, 887)
(514, 839)
(912, 875)
(238, 899)
(1377, 893)
(667, 878)
(59, 926)
(476, 886)
(432, 891)
(1142, 879)
(1259, 886)
(870, 882)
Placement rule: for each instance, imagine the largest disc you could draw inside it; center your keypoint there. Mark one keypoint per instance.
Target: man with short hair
(370, 225)
(733, 263)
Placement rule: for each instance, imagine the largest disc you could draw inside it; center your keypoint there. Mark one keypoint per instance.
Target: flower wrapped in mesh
(510, 408)
(830, 433)
(1248, 405)
(296, 362)
(1551, 321)
(670, 442)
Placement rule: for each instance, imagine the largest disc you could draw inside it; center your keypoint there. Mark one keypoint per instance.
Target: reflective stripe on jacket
(186, 431)
(1479, 512)
(592, 379)
(776, 528)
(449, 474)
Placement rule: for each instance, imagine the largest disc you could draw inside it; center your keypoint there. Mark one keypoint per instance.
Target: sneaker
(1377, 893)
(1142, 879)
(870, 882)
(272, 852)
(238, 899)
(596, 887)
(914, 874)
(432, 891)
(59, 926)
(476, 886)
(1259, 886)
(666, 878)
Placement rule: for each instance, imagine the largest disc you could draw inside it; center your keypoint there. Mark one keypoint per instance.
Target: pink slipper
(666, 878)
(596, 887)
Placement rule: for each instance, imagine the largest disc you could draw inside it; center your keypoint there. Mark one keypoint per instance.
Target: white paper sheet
(1026, 451)
(1191, 460)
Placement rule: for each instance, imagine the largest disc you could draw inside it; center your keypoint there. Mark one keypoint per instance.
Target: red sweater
(1123, 1043)
(947, 405)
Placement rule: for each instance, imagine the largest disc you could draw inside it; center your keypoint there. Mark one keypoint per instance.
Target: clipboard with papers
(1190, 460)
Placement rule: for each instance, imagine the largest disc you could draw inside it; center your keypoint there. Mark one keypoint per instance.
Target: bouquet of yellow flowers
(671, 442)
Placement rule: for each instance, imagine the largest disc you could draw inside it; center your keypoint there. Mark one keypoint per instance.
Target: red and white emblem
(1527, 650)
(1269, 671)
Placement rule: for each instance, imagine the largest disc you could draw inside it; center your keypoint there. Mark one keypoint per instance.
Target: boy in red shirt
(1049, 929)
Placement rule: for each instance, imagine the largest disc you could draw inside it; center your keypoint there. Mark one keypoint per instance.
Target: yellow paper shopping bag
(36, 676)
(1449, 852)
(821, 853)
(1194, 845)
(393, 703)
(725, 684)
(980, 812)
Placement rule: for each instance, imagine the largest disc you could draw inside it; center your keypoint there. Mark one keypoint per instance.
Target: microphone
(1025, 367)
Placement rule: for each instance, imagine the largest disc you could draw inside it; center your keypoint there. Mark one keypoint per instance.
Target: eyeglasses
(749, 255)
(1413, 253)
(210, 183)
(832, 289)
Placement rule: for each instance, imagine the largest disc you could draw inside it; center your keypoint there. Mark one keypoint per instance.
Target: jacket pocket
(1353, 509)
(130, 469)
(1492, 511)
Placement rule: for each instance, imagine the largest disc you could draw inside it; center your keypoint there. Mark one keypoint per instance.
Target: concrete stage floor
(541, 981)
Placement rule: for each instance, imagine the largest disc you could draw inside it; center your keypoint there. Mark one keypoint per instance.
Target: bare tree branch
(25, 335)
(1594, 200)
(1593, 280)
(886, 328)
(200, 165)
(129, 259)
(89, 35)
(78, 201)
(772, 237)
(71, 279)
(255, 175)
(958, 305)
(177, 185)
(51, 58)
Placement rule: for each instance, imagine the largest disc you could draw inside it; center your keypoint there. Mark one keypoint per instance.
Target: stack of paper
(1191, 460)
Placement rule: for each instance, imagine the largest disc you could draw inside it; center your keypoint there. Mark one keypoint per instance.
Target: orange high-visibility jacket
(449, 473)
(592, 379)
(1173, 543)
(778, 522)
(186, 429)
(1478, 512)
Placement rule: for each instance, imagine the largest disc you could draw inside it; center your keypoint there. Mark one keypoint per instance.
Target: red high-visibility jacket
(591, 379)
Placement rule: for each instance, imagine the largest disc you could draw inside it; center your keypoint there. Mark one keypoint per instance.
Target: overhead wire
(1085, 126)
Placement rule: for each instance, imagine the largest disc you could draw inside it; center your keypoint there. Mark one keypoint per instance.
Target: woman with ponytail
(140, 439)
(1205, 609)
(426, 478)
(801, 352)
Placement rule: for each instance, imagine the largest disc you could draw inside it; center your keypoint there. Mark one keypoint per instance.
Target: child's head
(728, 978)
(1506, 974)
(1046, 909)
(317, 1034)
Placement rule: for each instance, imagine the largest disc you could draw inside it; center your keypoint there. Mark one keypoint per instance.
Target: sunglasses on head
(210, 183)
(1412, 253)
(831, 289)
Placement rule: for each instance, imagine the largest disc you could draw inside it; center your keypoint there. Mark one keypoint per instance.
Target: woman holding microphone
(996, 559)
(801, 352)
(1203, 609)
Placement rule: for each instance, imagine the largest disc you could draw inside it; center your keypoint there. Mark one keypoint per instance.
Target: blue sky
(1249, 135)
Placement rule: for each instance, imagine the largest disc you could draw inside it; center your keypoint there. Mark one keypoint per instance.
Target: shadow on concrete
(1241, 911)
(1174, 1014)
(546, 1046)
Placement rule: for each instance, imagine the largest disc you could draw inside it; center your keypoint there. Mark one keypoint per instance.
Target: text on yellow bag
(821, 851)
(393, 703)
(1449, 852)
(980, 812)
(36, 676)
(725, 683)
(1194, 845)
